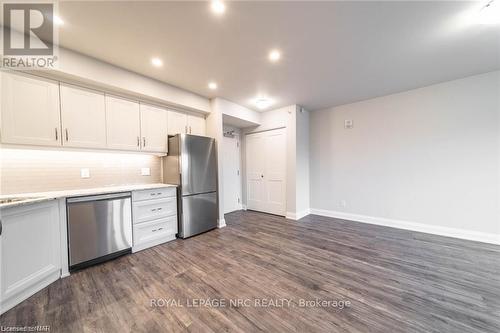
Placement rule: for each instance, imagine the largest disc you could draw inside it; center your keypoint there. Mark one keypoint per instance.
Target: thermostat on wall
(348, 124)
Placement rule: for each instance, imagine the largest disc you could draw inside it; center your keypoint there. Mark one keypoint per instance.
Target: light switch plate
(348, 124)
(145, 172)
(85, 173)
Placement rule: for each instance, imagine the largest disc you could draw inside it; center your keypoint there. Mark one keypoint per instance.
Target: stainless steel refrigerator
(191, 164)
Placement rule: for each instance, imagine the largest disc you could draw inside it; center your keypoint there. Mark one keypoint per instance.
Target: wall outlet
(145, 172)
(85, 173)
(343, 203)
(348, 124)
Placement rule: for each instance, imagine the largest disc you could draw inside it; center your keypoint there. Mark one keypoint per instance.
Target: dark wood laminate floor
(395, 280)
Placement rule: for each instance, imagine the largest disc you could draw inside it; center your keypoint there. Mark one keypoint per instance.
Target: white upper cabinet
(83, 117)
(177, 123)
(196, 125)
(181, 123)
(153, 129)
(30, 110)
(122, 124)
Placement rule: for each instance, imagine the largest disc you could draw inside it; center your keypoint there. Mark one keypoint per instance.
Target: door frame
(240, 182)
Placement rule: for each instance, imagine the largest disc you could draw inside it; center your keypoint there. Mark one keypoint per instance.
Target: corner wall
(427, 159)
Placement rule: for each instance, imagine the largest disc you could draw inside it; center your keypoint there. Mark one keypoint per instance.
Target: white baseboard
(298, 215)
(430, 229)
(244, 207)
(221, 223)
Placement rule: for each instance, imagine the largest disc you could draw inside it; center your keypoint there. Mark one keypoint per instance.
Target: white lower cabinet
(30, 252)
(154, 217)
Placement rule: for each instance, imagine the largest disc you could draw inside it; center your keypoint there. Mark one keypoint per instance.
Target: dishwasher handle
(112, 196)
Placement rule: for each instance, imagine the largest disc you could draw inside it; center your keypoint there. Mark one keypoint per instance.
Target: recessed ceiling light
(490, 13)
(274, 55)
(58, 20)
(263, 102)
(218, 7)
(212, 85)
(157, 62)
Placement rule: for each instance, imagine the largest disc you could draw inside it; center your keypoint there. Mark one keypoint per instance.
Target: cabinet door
(83, 117)
(30, 110)
(177, 123)
(122, 124)
(153, 129)
(30, 251)
(196, 125)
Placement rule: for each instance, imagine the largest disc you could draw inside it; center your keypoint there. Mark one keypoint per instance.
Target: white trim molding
(297, 216)
(221, 223)
(413, 226)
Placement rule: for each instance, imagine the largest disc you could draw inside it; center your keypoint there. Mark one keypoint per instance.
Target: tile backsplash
(33, 170)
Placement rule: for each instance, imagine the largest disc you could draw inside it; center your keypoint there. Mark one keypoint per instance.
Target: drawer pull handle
(159, 193)
(156, 209)
(155, 230)
(152, 194)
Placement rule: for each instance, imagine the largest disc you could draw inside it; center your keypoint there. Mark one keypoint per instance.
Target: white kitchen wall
(40, 170)
(302, 163)
(77, 68)
(427, 159)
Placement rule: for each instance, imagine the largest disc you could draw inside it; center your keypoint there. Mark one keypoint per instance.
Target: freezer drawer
(98, 227)
(199, 214)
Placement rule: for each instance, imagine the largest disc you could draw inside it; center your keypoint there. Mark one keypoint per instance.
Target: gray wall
(428, 156)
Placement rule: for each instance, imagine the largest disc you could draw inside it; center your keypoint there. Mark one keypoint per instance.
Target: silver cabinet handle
(57, 136)
(144, 141)
(190, 130)
(155, 230)
(67, 136)
(156, 209)
(186, 128)
(138, 142)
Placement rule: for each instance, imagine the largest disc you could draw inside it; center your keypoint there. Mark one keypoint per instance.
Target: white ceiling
(333, 52)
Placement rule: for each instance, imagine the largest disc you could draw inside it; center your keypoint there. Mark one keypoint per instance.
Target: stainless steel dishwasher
(99, 228)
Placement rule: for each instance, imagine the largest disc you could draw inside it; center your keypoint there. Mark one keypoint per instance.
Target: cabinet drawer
(148, 232)
(154, 209)
(165, 192)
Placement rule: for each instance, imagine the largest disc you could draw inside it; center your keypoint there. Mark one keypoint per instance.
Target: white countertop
(45, 196)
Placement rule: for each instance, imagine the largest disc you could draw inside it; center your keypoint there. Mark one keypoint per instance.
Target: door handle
(144, 141)
(57, 136)
(261, 176)
(190, 130)
(186, 128)
(67, 136)
(138, 142)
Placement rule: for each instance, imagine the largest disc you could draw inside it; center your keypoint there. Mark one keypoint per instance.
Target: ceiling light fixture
(157, 62)
(218, 7)
(262, 103)
(274, 55)
(212, 85)
(57, 20)
(490, 13)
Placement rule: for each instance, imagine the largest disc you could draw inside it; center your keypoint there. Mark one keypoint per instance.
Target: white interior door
(266, 171)
(231, 171)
